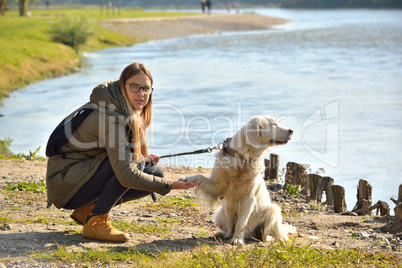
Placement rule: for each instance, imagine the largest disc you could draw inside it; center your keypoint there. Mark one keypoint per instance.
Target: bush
(5, 152)
(71, 31)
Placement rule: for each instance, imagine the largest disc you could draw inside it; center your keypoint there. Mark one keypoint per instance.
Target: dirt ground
(33, 227)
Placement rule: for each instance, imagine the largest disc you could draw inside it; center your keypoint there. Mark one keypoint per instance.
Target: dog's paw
(187, 179)
(268, 239)
(236, 242)
(183, 178)
(220, 234)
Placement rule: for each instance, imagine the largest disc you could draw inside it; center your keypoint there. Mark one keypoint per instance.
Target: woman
(106, 162)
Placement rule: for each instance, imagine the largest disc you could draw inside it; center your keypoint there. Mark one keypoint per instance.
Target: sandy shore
(143, 29)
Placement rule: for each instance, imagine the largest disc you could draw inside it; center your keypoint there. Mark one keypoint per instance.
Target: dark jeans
(104, 189)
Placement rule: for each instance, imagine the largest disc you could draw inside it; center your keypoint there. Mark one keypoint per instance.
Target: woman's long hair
(138, 124)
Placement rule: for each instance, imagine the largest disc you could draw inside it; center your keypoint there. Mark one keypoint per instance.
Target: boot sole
(120, 241)
(76, 220)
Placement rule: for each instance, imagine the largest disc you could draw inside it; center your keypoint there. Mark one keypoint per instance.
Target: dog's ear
(252, 133)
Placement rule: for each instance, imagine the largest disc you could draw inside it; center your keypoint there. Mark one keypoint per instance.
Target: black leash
(208, 150)
(220, 146)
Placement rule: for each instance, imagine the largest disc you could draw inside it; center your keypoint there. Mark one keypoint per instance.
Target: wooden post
(274, 168)
(400, 193)
(327, 183)
(339, 198)
(315, 184)
(296, 175)
(398, 212)
(395, 226)
(381, 207)
(398, 208)
(364, 192)
(266, 170)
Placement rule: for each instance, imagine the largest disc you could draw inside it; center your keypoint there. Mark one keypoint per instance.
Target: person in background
(203, 6)
(209, 5)
(107, 161)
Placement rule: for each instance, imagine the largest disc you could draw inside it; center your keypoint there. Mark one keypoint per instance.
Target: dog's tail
(277, 229)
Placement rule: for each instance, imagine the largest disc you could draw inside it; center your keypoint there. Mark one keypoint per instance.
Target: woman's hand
(184, 184)
(153, 158)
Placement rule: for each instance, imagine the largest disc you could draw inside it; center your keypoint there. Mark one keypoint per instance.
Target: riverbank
(27, 58)
(31, 235)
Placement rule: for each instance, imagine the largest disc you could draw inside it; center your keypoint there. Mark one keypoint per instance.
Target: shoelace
(104, 222)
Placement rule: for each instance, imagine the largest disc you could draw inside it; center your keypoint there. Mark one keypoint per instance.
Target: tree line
(340, 3)
(22, 4)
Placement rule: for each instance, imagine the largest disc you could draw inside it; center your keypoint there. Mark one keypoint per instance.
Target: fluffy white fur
(246, 211)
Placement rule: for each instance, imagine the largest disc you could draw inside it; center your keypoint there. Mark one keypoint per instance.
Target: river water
(334, 77)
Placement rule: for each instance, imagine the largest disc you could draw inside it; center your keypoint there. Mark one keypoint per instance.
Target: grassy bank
(28, 54)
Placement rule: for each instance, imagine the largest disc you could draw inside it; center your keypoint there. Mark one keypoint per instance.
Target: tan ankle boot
(98, 227)
(80, 214)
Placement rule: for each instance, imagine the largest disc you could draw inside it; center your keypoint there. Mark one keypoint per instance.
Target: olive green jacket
(102, 134)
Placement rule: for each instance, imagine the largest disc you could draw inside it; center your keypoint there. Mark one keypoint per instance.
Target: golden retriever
(246, 210)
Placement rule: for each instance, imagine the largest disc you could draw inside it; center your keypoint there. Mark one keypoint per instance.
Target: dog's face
(262, 132)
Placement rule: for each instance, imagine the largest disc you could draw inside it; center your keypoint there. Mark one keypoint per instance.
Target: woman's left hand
(153, 158)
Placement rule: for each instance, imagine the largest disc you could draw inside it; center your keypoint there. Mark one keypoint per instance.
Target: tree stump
(314, 184)
(274, 167)
(400, 193)
(327, 183)
(395, 226)
(266, 170)
(318, 185)
(364, 192)
(398, 208)
(296, 175)
(381, 207)
(339, 198)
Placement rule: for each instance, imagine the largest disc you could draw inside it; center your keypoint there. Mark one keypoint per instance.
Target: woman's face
(140, 99)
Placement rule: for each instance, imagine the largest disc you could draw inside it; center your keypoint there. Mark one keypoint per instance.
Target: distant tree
(22, 6)
(3, 4)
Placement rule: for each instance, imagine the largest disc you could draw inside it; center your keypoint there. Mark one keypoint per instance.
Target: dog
(246, 211)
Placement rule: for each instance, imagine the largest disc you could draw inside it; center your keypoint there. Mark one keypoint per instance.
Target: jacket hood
(107, 96)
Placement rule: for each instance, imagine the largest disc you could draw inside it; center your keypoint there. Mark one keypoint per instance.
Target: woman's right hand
(183, 184)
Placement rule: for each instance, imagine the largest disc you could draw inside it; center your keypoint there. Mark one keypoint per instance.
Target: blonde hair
(138, 124)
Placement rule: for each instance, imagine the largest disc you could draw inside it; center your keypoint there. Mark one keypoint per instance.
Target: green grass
(152, 229)
(28, 54)
(274, 255)
(32, 187)
(174, 203)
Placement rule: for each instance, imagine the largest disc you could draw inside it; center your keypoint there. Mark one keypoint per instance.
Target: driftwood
(364, 193)
(395, 226)
(296, 175)
(381, 207)
(339, 198)
(271, 172)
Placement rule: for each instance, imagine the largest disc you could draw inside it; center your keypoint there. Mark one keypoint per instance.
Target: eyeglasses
(134, 88)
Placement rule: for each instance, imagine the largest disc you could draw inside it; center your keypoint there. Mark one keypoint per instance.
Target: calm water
(334, 77)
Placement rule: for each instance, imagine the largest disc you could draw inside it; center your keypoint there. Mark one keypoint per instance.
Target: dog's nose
(290, 131)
